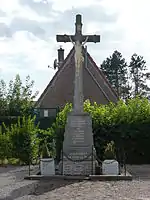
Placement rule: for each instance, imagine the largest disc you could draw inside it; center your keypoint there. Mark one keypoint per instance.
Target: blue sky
(28, 31)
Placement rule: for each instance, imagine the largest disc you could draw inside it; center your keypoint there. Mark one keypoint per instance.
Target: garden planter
(47, 166)
(110, 167)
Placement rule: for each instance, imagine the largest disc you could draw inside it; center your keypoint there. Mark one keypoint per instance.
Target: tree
(17, 99)
(115, 69)
(3, 99)
(139, 76)
(22, 139)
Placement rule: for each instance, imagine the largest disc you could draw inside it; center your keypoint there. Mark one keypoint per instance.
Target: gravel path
(95, 190)
(138, 189)
(12, 183)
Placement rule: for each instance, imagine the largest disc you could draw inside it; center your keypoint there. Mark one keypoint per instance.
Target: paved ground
(13, 187)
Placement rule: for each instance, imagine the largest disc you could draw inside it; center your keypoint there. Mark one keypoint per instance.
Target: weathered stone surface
(78, 131)
(78, 153)
(78, 168)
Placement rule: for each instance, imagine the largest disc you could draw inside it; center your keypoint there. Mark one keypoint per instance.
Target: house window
(45, 113)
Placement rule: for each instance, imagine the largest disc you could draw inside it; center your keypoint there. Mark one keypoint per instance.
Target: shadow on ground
(8, 168)
(45, 186)
(14, 175)
(38, 188)
(19, 192)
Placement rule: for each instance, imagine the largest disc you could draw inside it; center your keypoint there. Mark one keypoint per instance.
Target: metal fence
(93, 158)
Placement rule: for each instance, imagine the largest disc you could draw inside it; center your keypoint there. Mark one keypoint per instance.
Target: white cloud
(9, 6)
(36, 52)
(123, 25)
(62, 6)
(13, 9)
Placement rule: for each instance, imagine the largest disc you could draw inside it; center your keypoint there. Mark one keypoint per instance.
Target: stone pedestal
(78, 153)
(47, 166)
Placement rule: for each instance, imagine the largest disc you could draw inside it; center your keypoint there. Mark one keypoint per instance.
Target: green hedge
(19, 140)
(7, 120)
(128, 124)
(23, 140)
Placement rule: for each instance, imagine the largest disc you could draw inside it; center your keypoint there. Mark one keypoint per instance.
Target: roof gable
(54, 79)
(59, 91)
(100, 79)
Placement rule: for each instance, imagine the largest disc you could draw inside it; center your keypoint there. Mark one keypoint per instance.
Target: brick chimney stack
(60, 56)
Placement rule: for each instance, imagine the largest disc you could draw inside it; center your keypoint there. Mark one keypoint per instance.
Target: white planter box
(110, 167)
(47, 166)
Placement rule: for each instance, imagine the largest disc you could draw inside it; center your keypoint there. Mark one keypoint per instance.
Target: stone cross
(78, 41)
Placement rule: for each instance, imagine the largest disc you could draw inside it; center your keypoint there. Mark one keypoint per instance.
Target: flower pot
(47, 166)
(110, 167)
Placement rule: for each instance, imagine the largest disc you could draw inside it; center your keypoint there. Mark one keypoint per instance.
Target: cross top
(78, 24)
(78, 34)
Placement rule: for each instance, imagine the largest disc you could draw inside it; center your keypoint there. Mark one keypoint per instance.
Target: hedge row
(19, 140)
(127, 124)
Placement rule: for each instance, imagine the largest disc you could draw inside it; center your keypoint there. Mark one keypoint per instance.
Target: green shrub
(23, 137)
(46, 143)
(58, 128)
(5, 146)
(109, 152)
(126, 123)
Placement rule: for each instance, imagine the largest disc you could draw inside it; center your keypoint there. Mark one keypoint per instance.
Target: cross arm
(91, 38)
(82, 38)
(65, 38)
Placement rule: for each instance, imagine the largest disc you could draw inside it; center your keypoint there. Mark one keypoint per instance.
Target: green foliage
(5, 146)
(23, 137)
(24, 141)
(128, 80)
(115, 69)
(58, 128)
(46, 143)
(138, 76)
(109, 152)
(126, 123)
(3, 98)
(18, 98)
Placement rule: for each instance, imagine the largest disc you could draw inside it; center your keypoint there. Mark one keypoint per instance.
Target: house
(60, 89)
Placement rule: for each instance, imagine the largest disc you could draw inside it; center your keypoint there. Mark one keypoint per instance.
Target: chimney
(60, 56)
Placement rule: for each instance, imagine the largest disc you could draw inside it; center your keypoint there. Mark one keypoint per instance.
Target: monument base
(78, 157)
(83, 168)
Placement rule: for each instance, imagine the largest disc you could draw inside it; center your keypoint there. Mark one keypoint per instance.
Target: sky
(28, 30)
